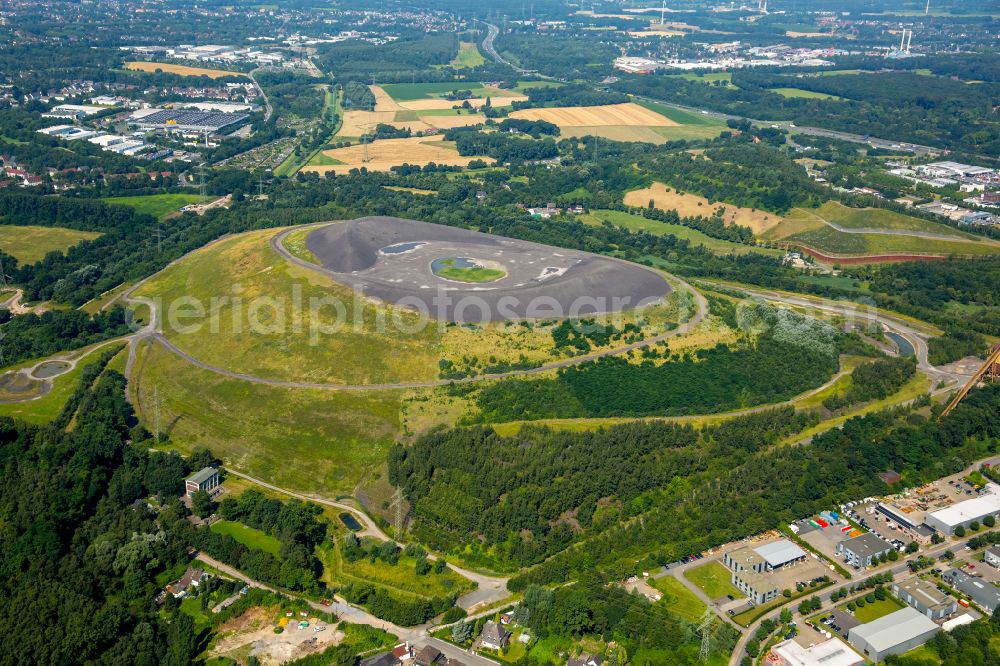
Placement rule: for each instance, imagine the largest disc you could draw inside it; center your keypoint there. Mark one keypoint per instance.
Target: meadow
(468, 56)
(160, 206)
(308, 440)
(248, 536)
(713, 579)
(30, 244)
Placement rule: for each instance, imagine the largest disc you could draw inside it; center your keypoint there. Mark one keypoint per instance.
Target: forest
(31, 336)
(686, 484)
(77, 558)
(412, 55)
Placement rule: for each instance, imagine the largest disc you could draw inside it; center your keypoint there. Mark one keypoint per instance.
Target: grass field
(159, 206)
(400, 578)
(277, 339)
(875, 218)
(637, 223)
(810, 227)
(690, 205)
(680, 600)
(806, 94)
(408, 92)
(387, 153)
(477, 274)
(310, 441)
(713, 579)
(248, 536)
(182, 70)
(295, 243)
(874, 611)
(30, 244)
(468, 56)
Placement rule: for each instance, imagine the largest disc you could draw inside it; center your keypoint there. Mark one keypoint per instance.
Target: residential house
(191, 577)
(586, 659)
(494, 636)
(427, 656)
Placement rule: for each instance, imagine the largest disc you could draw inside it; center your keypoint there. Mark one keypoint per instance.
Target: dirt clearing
(629, 114)
(253, 634)
(689, 205)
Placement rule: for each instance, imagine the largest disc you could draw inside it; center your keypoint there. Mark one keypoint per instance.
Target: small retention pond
(350, 522)
(50, 369)
(904, 346)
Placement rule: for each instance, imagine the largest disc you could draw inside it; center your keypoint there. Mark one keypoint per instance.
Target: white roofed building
(833, 652)
(895, 633)
(963, 513)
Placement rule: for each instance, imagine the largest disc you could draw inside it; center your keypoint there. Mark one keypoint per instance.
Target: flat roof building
(926, 598)
(911, 525)
(983, 594)
(964, 513)
(206, 479)
(743, 559)
(782, 553)
(833, 652)
(895, 633)
(768, 557)
(758, 587)
(179, 119)
(861, 551)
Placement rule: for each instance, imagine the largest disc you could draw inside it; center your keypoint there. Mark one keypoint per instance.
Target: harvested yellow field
(689, 205)
(448, 122)
(617, 133)
(359, 123)
(182, 70)
(629, 114)
(793, 33)
(504, 98)
(387, 153)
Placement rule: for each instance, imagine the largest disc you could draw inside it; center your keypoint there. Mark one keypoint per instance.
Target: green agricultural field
(714, 579)
(806, 94)
(30, 244)
(468, 56)
(308, 440)
(158, 205)
(680, 600)
(638, 223)
(690, 125)
(248, 536)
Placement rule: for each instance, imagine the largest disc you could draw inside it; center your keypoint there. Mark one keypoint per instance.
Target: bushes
(406, 612)
(875, 381)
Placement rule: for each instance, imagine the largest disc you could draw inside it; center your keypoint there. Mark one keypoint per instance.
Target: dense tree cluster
(415, 52)
(30, 336)
(471, 484)
(502, 147)
(874, 381)
(77, 559)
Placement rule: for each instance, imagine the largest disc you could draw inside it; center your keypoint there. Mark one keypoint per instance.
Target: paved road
(268, 109)
(491, 34)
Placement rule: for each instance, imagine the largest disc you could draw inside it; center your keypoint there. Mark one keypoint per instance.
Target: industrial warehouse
(185, 120)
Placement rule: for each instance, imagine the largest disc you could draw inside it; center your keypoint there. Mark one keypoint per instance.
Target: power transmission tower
(201, 178)
(159, 238)
(706, 635)
(397, 502)
(3, 274)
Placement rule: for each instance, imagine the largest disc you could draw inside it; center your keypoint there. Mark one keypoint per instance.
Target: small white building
(964, 513)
